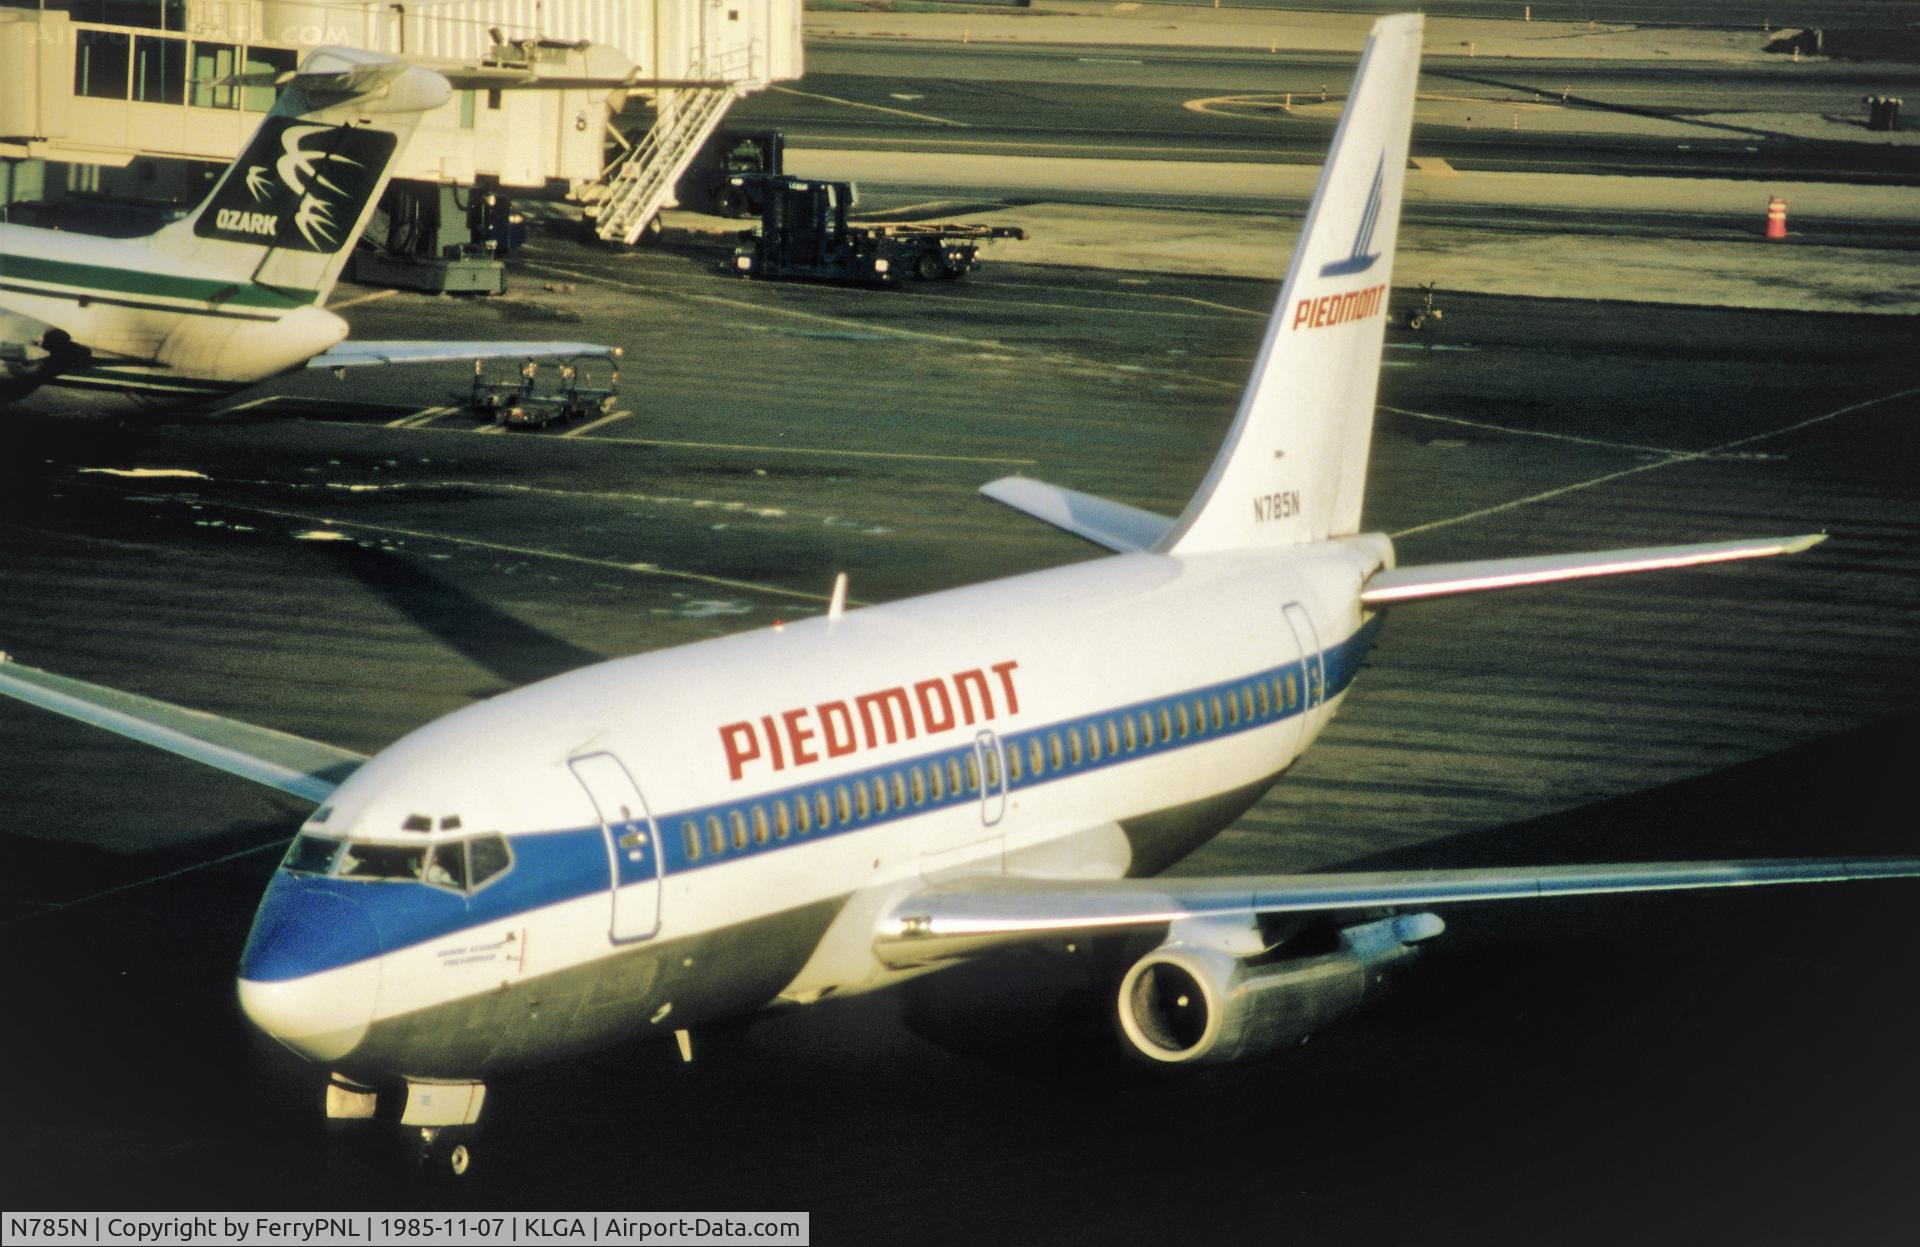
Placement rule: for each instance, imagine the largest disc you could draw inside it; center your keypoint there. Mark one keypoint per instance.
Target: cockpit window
(459, 865)
(489, 856)
(447, 867)
(311, 854)
(382, 861)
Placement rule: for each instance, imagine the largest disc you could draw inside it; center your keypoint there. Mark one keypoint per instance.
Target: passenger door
(990, 759)
(633, 845)
(1308, 639)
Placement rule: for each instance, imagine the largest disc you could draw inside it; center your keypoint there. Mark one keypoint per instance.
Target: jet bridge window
(265, 64)
(212, 63)
(101, 59)
(310, 854)
(159, 70)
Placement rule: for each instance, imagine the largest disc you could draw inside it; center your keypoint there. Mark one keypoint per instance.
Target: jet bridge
(603, 102)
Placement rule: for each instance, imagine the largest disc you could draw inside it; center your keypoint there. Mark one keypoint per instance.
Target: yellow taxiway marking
(878, 108)
(368, 297)
(1689, 456)
(603, 420)
(1435, 165)
(425, 415)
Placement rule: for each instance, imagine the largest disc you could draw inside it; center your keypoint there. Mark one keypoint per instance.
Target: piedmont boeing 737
(656, 843)
(230, 295)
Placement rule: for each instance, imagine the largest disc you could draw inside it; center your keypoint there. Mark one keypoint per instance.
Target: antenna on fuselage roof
(837, 604)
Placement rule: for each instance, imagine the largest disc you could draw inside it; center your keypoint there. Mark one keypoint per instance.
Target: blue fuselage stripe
(550, 868)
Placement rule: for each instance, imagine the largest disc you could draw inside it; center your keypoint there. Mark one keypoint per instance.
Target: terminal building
(599, 102)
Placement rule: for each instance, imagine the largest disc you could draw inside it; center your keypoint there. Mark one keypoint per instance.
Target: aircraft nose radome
(311, 972)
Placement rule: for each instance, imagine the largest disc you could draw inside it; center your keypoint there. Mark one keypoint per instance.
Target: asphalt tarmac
(346, 561)
(1645, 118)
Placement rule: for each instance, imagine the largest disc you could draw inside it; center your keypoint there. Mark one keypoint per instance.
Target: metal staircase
(639, 182)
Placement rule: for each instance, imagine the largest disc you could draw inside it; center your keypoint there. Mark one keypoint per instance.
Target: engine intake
(1188, 1003)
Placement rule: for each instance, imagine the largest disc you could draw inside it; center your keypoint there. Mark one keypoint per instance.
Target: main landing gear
(437, 1121)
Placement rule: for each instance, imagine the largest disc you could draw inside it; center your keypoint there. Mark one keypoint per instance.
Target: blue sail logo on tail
(1361, 260)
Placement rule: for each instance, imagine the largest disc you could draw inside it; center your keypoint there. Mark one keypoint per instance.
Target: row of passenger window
(907, 787)
(914, 785)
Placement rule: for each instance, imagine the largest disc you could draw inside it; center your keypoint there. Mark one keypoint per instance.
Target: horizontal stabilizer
(292, 764)
(352, 354)
(961, 918)
(1406, 584)
(1113, 525)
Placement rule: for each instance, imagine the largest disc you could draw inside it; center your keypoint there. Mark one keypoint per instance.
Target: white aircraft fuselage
(706, 830)
(156, 322)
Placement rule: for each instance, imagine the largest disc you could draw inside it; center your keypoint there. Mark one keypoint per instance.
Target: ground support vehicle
(804, 233)
(580, 388)
(728, 177)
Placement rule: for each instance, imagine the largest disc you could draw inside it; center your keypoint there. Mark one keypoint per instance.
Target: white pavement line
(763, 449)
(1691, 456)
(607, 419)
(878, 108)
(369, 297)
(531, 552)
(1555, 437)
(250, 404)
(57, 906)
(867, 327)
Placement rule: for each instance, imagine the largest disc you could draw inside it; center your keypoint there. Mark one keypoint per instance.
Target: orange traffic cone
(1776, 217)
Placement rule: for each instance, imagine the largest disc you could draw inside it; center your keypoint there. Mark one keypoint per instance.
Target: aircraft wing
(352, 354)
(1113, 525)
(964, 917)
(292, 764)
(1406, 584)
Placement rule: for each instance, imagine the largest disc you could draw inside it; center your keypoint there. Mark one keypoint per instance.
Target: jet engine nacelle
(1186, 1003)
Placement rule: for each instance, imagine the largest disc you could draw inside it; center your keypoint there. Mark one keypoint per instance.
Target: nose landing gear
(437, 1121)
(443, 1153)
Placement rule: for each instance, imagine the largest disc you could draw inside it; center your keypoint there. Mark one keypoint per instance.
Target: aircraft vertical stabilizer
(1294, 465)
(290, 207)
